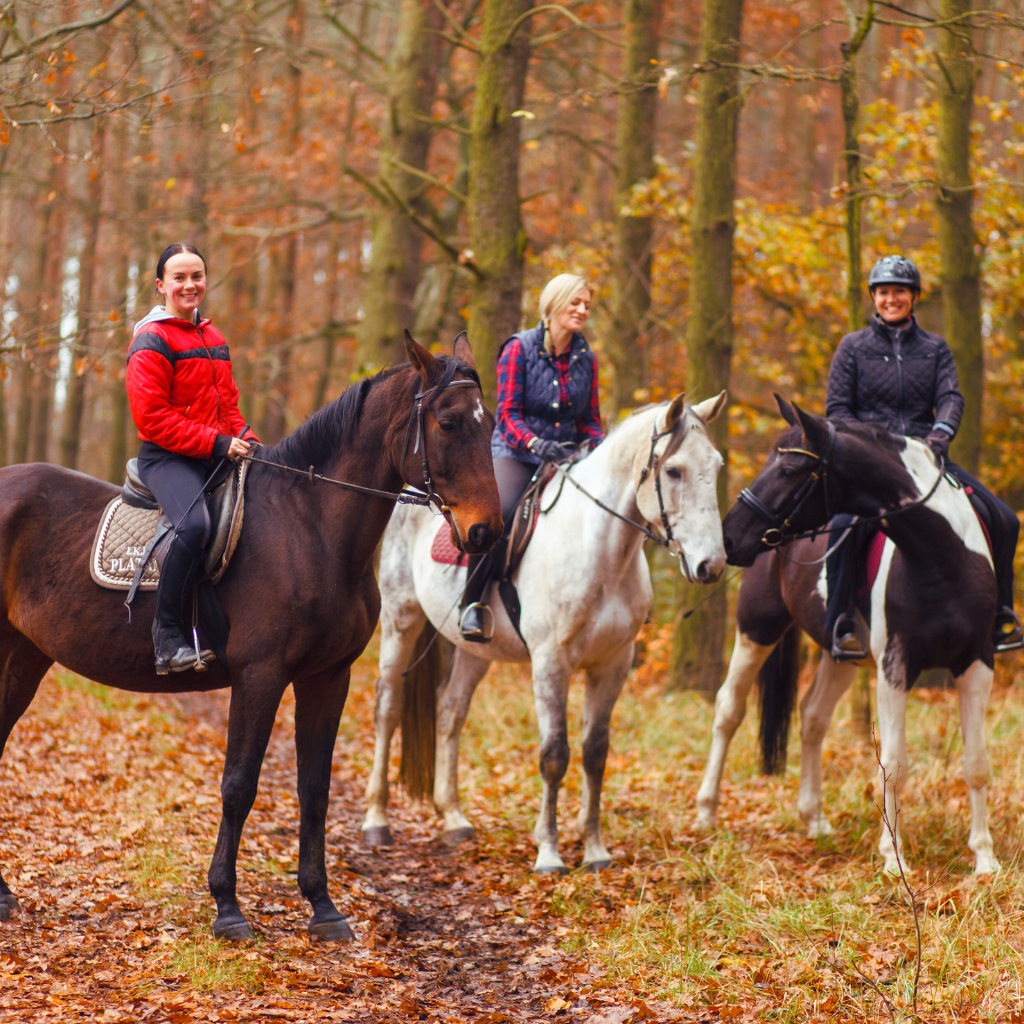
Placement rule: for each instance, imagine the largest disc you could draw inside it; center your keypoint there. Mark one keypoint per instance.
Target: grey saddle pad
(125, 532)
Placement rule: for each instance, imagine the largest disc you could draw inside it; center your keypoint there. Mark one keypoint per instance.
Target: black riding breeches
(176, 480)
(512, 477)
(1003, 528)
(844, 566)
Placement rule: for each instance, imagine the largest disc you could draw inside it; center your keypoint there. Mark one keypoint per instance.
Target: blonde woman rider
(547, 408)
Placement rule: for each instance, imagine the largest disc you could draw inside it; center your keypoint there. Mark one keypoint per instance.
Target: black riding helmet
(895, 270)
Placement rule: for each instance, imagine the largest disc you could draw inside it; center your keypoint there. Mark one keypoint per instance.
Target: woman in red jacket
(185, 404)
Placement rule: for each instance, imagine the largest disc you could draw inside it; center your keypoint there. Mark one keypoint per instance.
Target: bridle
(654, 465)
(780, 524)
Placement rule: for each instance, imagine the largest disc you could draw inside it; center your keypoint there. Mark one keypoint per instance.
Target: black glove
(553, 451)
(938, 441)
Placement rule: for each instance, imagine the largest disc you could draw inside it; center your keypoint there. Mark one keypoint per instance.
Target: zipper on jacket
(213, 373)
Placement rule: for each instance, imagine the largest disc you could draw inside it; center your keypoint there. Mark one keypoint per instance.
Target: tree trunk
(394, 268)
(497, 238)
(71, 428)
(698, 642)
(960, 270)
(631, 253)
(23, 415)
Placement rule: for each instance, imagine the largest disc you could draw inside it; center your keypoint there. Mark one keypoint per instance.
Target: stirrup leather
(488, 620)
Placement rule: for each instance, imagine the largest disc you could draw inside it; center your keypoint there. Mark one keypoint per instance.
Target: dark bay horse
(300, 594)
(932, 605)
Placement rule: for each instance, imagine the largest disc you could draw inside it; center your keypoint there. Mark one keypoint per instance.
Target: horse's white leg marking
(974, 687)
(550, 693)
(603, 688)
(401, 626)
(453, 700)
(730, 707)
(831, 681)
(892, 773)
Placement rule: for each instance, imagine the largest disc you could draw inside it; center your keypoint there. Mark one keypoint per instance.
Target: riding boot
(474, 615)
(1008, 634)
(174, 653)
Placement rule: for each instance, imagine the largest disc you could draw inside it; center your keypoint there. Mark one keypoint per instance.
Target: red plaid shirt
(512, 391)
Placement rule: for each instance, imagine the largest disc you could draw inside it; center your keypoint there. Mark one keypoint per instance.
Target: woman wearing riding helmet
(185, 404)
(547, 408)
(894, 373)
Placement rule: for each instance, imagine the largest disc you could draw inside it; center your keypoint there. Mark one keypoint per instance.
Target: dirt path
(108, 815)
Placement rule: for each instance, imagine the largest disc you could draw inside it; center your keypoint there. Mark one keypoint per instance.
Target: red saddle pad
(443, 550)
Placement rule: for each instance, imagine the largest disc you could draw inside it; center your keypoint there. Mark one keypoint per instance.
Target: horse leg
(318, 705)
(23, 668)
(974, 687)
(603, 688)
(730, 707)
(831, 681)
(550, 694)
(398, 639)
(254, 703)
(453, 702)
(892, 769)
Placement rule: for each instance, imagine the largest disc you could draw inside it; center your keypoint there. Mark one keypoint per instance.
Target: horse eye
(786, 471)
(673, 474)
(447, 425)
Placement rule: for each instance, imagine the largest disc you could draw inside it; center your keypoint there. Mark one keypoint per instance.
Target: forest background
(724, 172)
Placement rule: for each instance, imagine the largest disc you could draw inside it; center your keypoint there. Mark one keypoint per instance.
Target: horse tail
(777, 683)
(419, 714)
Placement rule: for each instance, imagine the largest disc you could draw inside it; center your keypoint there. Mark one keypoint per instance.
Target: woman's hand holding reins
(237, 448)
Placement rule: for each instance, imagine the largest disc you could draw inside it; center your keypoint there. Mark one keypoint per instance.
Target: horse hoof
(331, 931)
(594, 866)
(9, 906)
(379, 835)
(233, 929)
(550, 869)
(455, 836)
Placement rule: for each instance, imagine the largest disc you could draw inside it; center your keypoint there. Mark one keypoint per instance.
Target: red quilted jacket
(180, 388)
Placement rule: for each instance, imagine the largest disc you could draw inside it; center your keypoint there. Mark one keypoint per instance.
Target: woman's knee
(194, 529)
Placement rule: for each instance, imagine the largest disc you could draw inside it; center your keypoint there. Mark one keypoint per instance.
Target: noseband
(780, 526)
(434, 500)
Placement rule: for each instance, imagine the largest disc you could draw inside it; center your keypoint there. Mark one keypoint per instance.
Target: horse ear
(815, 430)
(785, 409)
(424, 363)
(463, 351)
(675, 410)
(711, 407)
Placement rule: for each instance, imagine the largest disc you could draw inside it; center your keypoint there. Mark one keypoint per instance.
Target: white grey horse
(585, 591)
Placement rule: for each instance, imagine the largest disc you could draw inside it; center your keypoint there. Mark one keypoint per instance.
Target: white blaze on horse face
(478, 411)
(950, 502)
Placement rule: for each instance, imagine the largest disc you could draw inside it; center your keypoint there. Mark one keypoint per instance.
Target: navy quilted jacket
(906, 380)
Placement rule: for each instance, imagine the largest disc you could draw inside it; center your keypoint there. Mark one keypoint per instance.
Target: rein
(669, 539)
(778, 525)
(431, 499)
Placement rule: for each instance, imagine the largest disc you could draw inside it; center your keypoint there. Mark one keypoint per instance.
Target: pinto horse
(932, 605)
(585, 591)
(300, 595)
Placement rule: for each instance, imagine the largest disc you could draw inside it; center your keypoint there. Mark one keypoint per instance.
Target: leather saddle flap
(524, 520)
(130, 522)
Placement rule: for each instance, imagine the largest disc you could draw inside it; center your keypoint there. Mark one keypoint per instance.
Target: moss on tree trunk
(497, 239)
(631, 253)
(959, 265)
(698, 644)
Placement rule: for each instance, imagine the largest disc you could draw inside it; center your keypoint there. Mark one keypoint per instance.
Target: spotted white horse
(585, 592)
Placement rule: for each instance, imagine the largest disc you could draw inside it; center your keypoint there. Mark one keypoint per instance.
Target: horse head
(678, 486)
(448, 444)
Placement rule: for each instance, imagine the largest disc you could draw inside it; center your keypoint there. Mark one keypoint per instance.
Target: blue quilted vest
(543, 413)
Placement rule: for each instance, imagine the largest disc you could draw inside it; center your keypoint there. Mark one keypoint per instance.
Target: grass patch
(210, 965)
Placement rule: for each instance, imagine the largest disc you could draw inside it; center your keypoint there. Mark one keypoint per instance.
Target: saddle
(133, 530)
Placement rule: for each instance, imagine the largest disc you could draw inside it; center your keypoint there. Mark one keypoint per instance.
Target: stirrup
(477, 635)
(1009, 636)
(848, 643)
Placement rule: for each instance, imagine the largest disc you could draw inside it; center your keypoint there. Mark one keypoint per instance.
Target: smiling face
(894, 302)
(575, 315)
(183, 286)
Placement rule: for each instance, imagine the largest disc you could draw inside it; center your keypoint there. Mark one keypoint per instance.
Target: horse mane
(335, 425)
(872, 433)
(688, 419)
